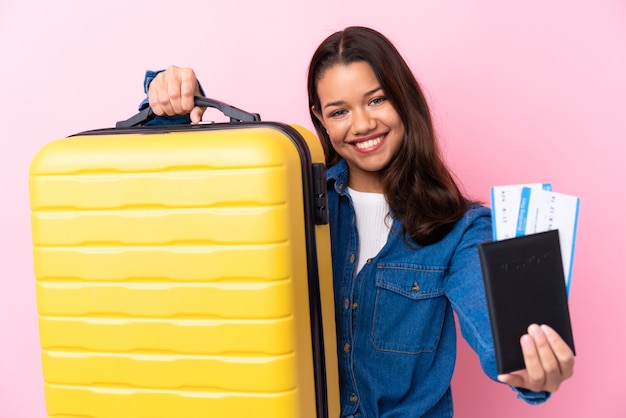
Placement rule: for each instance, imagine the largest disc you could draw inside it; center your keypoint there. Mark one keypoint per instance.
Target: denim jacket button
(353, 398)
(355, 305)
(415, 287)
(347, 347)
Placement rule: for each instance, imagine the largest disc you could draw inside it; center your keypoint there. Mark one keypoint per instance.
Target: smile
(370, 143)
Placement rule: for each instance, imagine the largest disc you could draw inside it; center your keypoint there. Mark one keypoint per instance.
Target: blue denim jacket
(396, 334)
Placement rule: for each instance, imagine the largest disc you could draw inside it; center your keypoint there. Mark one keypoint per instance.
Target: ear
(318, 115)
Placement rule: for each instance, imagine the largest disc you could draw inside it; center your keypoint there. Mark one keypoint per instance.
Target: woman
(403, 236)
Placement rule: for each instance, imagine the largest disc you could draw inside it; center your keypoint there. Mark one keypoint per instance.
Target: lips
(370, 143)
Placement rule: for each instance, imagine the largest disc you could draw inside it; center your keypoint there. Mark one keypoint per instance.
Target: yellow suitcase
(184, 271)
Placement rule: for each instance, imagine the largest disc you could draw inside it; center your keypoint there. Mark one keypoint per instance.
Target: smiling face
(364, 127)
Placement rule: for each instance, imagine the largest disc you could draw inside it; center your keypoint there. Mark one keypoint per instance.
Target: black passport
(525, 284)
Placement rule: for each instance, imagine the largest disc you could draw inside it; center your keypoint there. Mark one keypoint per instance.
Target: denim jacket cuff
(530, 397)
(150, 75)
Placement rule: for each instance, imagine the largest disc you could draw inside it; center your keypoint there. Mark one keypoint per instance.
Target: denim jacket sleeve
(466, 293)
(162, 120)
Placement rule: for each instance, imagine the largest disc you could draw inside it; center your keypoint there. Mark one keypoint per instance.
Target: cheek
(334, 141)
(337, 141)
(336, 132)
(399, 127)
(330, 132)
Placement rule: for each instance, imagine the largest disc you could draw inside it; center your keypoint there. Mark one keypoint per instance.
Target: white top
(371, 221)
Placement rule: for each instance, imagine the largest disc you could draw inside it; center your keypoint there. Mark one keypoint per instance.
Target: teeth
(370, 143)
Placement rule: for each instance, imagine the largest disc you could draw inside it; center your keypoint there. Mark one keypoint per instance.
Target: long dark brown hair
(420, 189)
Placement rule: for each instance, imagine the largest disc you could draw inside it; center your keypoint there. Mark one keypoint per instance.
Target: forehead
(343, 81)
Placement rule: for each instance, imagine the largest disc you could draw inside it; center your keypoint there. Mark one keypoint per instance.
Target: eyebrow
(340, 102)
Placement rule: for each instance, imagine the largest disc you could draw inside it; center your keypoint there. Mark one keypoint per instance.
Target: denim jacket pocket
(409, 309)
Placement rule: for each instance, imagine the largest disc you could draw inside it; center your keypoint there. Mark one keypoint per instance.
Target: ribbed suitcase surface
(172, 275)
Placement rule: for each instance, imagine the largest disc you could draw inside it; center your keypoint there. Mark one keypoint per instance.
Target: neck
(365, 182)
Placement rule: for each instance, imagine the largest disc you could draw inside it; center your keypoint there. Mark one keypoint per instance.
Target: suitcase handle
(235, 114)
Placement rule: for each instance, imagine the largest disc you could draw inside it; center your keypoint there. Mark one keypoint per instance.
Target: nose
(362, 122)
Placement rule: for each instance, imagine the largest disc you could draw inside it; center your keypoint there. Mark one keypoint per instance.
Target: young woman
(403, 236)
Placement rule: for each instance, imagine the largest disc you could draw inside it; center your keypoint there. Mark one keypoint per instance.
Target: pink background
(523, 91)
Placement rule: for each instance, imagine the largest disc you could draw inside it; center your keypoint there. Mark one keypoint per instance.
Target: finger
(535, 378)
(153, 96)
(172, 92)
(563, 353)
(549, 362)
(160, 98)
(196, 114)
(517, 379)
(188, 89)
(522, 378)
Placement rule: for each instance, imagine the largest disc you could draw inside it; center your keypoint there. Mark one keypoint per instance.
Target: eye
(338, 113)
(377, 100)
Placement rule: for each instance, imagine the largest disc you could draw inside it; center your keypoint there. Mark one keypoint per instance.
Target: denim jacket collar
(337, 177)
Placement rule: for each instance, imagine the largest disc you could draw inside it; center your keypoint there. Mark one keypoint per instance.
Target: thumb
(196, 114)
(517, 379)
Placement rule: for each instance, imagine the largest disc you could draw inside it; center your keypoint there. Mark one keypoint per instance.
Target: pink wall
(521, 91)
